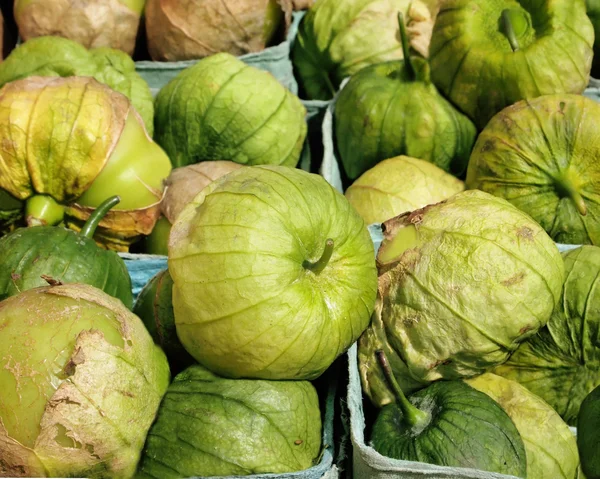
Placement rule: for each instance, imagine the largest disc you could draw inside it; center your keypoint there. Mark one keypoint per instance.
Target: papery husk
(302, 4)
(27, 108)
(119, 229)
(82, 408)
(186, 182)
(192, 29)
(93, 23)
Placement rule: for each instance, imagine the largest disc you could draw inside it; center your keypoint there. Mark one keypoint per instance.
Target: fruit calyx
(89, 228)
(411, 415)
(566, 189)
(323, 261)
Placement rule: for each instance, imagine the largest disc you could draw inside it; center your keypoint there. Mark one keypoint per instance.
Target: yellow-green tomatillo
(76, 142)
(81, 382)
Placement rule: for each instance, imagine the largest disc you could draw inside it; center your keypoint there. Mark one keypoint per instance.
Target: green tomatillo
(473, 267)
(486, 55)
(210, 426)
(75, 142)
(541, 155)
(274, 274)
(391, 109)
(223, 109)
(32, 257)
(588, 434)
(448, 424)
(56, 56)
(561, 363)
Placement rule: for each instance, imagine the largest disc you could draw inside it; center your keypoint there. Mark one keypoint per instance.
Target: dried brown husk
(119, 229)
(93, 23)
(192, 29)
(302, 4)
(186, 182)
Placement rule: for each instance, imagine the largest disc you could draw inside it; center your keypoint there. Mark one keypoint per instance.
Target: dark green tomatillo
(448, 424)
(32, 257)
(392, 109)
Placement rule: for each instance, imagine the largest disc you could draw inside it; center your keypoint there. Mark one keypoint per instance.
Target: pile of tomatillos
(464, 134)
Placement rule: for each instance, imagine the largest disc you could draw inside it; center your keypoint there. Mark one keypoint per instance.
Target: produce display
(400, 197)
(391, 109)
(223, 109)
(93, 23)
(191, 29)
(56, 56)
(487, 55)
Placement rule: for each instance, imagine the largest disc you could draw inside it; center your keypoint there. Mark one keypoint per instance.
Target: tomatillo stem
(410, 69)
(42, 210)
(509, 30)
(89, 228)
(566, 190)
(320, 264)
(413, 415)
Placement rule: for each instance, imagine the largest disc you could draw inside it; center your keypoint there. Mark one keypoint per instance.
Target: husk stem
(323, 261)
(410, 69)
(509, 30)
(412, 415)
(89, 228)
(43, 210)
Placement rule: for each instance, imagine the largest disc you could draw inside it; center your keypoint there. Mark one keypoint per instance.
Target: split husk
(192, 29)
(93, 23)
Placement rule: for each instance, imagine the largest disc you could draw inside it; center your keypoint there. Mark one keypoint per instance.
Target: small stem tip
(89, 228)
(509, 30)
(320, 264)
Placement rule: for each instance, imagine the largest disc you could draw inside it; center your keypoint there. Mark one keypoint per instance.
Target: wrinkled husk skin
(246, 238)
(93, 23)
(211, 426)
(398, 185)
(195, 120)
(588, 434)
(382, 112)
(561, 363)
(549, 443)
(467, 429)
(56, 56)
(481, 278)
(191, 29)
(154, 307)
(338, 38)
(28, 254)
(593, 12)
(532, 151)
(81, 383)
(61, 151)
(474, 66)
